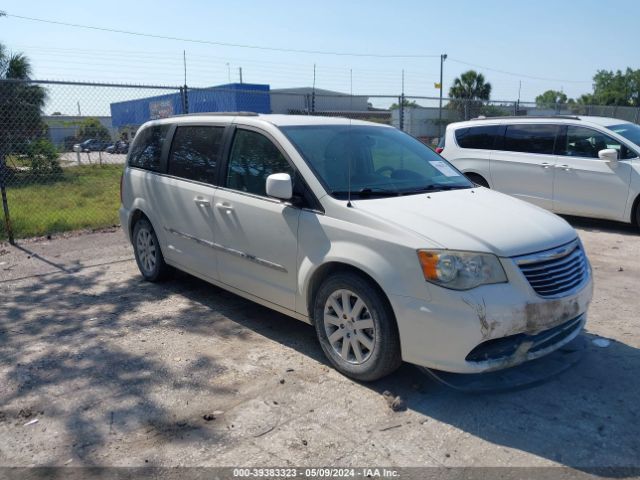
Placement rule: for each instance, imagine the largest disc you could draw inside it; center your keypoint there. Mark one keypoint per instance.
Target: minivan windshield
(629, 131)
(371, 161)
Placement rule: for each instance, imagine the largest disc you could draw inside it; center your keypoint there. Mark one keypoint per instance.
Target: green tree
(471, 85)
(468, 91)
(92, 128)
(551, 99)
(585, 99)
(43, 160)
(496, 110)
(21, 104)
(617, 88)
(405, 103)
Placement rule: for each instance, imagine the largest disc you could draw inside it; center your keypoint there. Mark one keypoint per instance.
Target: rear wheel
(147, 252)
(356, 327)
(635, 216)
(477, 179)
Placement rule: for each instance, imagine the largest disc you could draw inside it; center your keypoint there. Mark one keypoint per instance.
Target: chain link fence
(63, 144)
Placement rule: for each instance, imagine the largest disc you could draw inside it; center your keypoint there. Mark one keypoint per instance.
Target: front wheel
(356, 327)
(147, 252)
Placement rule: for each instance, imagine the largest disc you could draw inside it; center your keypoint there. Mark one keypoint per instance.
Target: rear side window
(531, 138)
(477, 137)
(147, 148)
(195, 153)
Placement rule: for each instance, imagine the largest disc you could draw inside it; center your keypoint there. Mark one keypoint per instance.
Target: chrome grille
(556, 272)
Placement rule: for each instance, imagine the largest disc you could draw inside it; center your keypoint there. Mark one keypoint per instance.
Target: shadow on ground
(586, 417)
(596, 225)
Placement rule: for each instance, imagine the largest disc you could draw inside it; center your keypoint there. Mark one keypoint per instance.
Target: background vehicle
(585, 166)
(360, 230)
(90, 145)
(119, 147)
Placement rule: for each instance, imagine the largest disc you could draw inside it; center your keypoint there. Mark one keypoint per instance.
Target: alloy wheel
(147, 249)
(349, 326)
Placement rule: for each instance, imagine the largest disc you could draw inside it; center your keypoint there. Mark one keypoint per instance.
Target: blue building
(233, 97)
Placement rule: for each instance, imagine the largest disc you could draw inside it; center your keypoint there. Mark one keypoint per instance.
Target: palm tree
(21, 104)
(14, 66)
(471, 86)
(468, 91)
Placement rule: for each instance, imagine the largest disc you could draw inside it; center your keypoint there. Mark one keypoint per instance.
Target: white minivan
(360, 230)
(584, 166)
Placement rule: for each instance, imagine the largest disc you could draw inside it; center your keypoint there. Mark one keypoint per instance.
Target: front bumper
(487, 328)
(507, 351)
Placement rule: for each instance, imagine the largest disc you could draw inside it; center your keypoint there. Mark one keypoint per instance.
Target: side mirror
(610, 155)
(279, 185)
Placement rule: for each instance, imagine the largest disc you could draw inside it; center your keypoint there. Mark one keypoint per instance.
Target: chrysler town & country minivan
(360, 230)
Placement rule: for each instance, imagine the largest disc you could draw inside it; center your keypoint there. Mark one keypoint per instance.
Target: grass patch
(85, 196)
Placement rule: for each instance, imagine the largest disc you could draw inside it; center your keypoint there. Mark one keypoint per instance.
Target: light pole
(443, 57)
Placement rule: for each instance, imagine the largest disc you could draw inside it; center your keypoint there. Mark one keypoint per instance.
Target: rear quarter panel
(467, 160)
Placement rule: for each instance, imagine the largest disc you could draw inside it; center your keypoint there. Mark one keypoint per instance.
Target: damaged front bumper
(488, 328)
(511, 350)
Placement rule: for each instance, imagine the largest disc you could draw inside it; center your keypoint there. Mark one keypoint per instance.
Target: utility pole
(401, 102)
(184, 62)
(518, 102)
(240, 71)
(443, 57)
(184, 90)
(313, 90)
(79, 112)
(351, 86)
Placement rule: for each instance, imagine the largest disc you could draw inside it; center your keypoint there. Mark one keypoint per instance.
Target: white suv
(362, 231)
(585, 166)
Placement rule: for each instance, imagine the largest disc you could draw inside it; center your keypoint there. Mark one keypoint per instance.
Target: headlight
(460, 270)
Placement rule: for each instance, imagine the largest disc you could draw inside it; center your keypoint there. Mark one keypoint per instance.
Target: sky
(526, 46)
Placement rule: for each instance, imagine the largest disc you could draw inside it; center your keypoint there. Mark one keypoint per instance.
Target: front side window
(586, 143)
(147, 148)
(253, 158)
(529, 138)
(369, 161)
(630, 131)
(195, 152)
(477, 137)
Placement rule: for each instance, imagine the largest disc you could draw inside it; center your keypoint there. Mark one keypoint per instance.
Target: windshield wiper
(369, 191)
(433, 187)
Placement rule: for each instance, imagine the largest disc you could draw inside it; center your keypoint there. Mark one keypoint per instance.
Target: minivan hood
(474, 219)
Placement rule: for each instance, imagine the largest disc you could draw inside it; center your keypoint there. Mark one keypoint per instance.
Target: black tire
(384, 356)
(477, 179)
(636, 214)
(147, 252)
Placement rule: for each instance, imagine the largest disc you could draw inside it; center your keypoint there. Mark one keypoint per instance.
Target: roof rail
(567, 117)
(217, 114)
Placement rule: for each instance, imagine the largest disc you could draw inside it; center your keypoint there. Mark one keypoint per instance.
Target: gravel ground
(100, 368)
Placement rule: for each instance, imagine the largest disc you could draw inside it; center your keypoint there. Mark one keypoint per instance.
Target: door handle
(227, 207)
(565, 167)
(545, 164)
(202, 202)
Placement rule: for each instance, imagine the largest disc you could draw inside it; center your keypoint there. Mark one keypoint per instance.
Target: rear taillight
(439, 149)
(121, 182)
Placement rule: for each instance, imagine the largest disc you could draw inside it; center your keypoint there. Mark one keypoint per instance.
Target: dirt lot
(118, 371)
